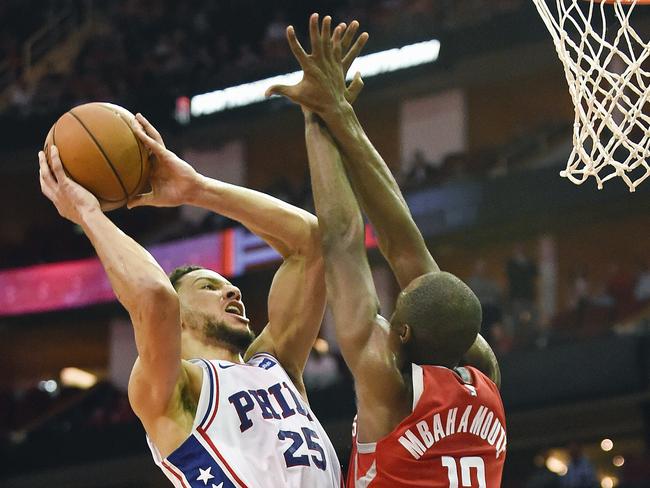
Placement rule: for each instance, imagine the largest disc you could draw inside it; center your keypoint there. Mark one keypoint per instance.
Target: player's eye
(208, 286)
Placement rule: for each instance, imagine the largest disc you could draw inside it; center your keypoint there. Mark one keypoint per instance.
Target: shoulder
(480, 377)
(272, 364)
(262, 354)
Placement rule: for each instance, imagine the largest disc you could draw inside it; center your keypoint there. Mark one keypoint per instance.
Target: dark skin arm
(363, 335)
(322, 91)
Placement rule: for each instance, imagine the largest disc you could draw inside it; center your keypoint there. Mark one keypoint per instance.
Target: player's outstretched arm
(139, 283)
(400, 240)
(361, 332)
(322, 90)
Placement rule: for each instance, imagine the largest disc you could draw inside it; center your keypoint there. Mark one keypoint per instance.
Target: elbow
(308, 244)
(156, 298)
(342, 236)
(312, 233)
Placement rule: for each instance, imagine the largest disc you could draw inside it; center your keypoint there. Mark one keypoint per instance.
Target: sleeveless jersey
(455, 436)
(252, 429)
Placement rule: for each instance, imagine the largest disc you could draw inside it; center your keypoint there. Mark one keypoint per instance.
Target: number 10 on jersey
(467, 464)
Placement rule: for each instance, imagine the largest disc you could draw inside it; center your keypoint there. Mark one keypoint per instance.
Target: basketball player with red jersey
(422, 419)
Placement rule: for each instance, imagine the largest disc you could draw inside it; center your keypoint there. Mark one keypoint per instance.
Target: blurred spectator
(642, 285)
(20, 97)
(274, 43)
(322, 369)
(581, 472)
(579, 298)
(620, 286)
(420, 169)
(522, 274)
(500, 339)
(489, 293)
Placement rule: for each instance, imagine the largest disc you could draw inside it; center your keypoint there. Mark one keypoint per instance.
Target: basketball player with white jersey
(422, 419)
(212, 418)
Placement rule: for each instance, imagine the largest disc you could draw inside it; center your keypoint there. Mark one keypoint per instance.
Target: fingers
(354, 51)
(281, 90)
(342, 26)
(45, 176)
(153, 145)
(354, 89)
(314, 35)
(350, 32)
(149, 129)
(326, 35)
(56, 166)
(336, 44)
(295, 47)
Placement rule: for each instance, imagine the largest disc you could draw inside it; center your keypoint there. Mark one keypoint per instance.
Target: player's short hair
(444, 316)
(181, 271)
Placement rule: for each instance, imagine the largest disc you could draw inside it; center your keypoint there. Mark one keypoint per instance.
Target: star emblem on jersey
(205, 475)
(217, 486)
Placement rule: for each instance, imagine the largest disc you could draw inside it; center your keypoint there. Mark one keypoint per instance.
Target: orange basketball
(99, 151)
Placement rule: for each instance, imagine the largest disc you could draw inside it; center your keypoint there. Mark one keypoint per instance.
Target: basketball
(99, 151)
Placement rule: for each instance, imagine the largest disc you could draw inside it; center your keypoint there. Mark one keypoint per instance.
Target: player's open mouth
(237, 309)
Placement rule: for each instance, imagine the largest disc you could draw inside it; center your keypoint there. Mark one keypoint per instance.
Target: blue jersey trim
(208, 370)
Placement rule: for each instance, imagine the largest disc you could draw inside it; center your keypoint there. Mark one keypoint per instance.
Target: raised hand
(322, 88)
(71, 199)
(172, 179)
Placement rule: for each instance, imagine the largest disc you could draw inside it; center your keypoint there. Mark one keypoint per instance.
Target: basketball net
(605, 62)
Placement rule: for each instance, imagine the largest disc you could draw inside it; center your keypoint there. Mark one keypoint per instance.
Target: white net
(606, 63)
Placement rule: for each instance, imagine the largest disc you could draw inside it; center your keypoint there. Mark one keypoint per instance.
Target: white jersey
(252, 429)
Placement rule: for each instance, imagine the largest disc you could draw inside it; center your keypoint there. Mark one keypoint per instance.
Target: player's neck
(402, 360)
(225, 352)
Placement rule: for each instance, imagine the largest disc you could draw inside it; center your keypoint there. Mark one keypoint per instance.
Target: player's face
(209, 294)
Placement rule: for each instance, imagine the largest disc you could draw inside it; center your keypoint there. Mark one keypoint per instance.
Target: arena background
(476, 138)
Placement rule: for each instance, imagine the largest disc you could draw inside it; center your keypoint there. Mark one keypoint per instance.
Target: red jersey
(455, 436)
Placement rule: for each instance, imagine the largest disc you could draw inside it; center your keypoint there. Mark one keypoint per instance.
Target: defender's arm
(361, 332)
(400, 241)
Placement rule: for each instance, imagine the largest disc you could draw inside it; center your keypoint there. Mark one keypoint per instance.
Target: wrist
(88, 216)
(338, 114)
(195, 187)
(201, 187)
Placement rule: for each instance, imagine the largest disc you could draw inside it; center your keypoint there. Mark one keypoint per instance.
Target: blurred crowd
(617, 303)
(155, 50)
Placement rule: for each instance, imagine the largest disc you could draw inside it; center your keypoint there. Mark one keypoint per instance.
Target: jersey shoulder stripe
(211, 392)
(214, 396)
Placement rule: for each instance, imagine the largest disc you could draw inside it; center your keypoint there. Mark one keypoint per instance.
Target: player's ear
(405, 333)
